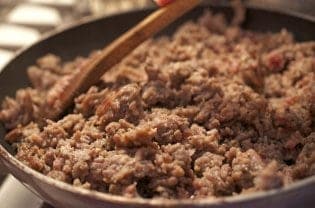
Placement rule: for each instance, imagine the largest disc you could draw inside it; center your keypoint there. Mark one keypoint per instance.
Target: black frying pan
(90, 35)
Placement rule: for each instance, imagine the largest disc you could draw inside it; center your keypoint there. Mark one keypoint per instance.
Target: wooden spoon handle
(118, 49)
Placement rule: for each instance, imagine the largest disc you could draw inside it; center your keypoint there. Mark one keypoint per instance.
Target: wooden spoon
(90, 73)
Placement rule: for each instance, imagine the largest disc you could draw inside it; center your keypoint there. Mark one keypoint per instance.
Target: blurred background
(23, 22)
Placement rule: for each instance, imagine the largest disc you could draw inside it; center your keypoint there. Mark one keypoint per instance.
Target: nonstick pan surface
(94, 34)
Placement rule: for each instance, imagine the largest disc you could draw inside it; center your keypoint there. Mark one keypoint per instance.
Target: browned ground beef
(211, 111)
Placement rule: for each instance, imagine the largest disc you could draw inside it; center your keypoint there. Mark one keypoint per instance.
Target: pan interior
(92, 35)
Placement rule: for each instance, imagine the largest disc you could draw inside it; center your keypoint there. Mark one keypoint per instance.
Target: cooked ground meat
(211, 111)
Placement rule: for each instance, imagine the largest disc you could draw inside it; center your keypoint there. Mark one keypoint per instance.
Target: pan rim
(105, 197)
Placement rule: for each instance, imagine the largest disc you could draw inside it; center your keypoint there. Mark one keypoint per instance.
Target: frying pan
(89, 35)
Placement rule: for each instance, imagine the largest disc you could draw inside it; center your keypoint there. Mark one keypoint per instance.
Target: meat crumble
(211, 111)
